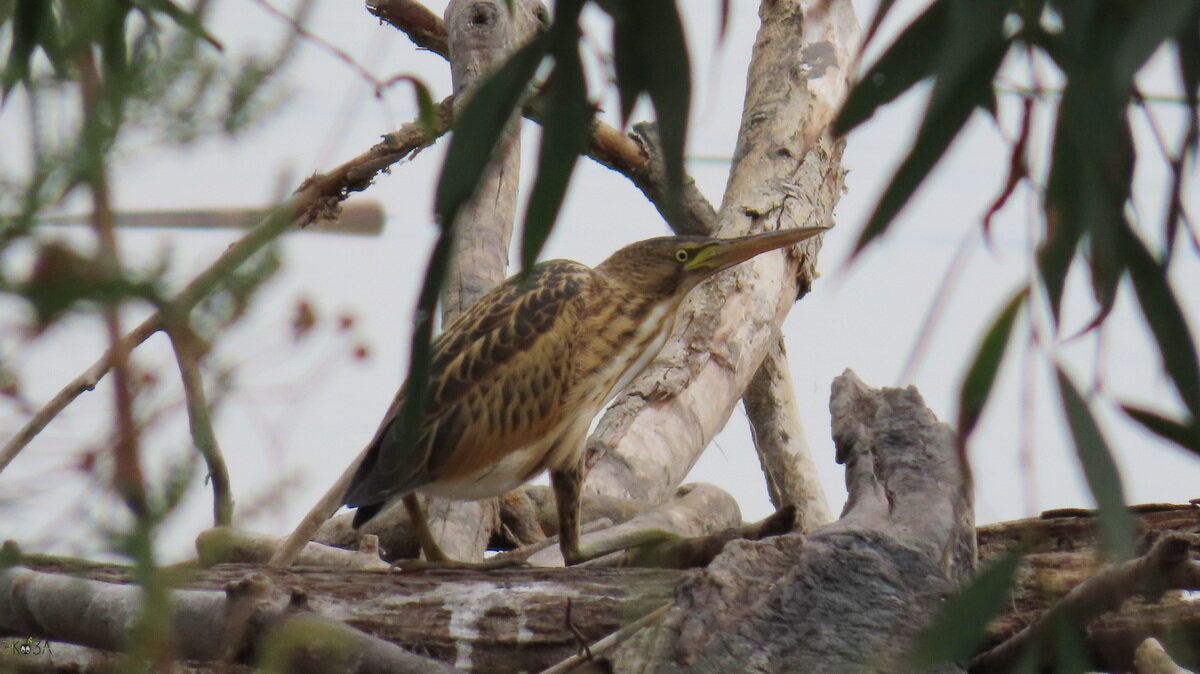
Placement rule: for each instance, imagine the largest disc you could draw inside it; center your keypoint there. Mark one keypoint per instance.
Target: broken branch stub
(851, 595)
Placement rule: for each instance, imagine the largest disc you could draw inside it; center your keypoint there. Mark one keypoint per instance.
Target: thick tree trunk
(786, 173)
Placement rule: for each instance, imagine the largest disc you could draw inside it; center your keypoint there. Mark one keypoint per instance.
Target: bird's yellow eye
(681, 255)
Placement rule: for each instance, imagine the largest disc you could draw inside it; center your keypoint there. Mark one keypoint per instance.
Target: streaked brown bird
(517, 378)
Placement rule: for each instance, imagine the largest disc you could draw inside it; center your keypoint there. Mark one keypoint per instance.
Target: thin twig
(316, 198)
(937, 305)
(128, 479)
(321, 42)
(188, 353)
(609, 641)
(583, 650)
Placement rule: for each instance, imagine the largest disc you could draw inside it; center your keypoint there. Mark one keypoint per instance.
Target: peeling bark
(786, 173)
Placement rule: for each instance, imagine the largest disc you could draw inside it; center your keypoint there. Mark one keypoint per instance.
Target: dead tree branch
(1167, 565)
(251, 622)
(850, 595)
(787, 462)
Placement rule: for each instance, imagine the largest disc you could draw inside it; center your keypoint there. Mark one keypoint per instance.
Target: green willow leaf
(427, 110)
(479, 128)
(651, 55)
(960, 627)
(938, 129)
(908, 60)
(977, 385)
(565, 134)
(32, 21)
(1166, 320)
(1184, 435)
(1155, 22)
(186, 20)
(1116, 526)
(477, 131)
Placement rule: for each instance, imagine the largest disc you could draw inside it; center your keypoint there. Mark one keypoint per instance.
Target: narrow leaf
(907, 61)
(1155, 22)
(189, 21)
(1116, 524)
(427, 112)
(1185, 435)
(670, 87)
(1166, 320)
(631, 75)
(479, 127)
(565, 133)
(959, 629)
(477, 131)
(31, 20)
(977, 385)
(938, 129)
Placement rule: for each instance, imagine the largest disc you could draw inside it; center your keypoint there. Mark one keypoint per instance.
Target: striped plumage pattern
(517, 378)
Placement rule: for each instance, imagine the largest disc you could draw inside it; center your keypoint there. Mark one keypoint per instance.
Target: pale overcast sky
(299, 413)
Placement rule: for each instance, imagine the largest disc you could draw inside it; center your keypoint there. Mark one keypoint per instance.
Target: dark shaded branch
(1167, 565)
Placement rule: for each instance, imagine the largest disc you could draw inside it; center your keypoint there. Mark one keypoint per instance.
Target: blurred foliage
(1098, 48)
(91, 80)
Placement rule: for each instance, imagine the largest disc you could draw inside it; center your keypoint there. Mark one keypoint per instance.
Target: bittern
(517, 378)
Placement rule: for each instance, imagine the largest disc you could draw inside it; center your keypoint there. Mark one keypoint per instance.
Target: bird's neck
(627, 333)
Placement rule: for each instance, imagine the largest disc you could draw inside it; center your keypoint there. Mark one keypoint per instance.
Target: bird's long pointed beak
(732, 251)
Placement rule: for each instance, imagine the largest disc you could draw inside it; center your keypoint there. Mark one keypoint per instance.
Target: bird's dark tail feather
(364, 513)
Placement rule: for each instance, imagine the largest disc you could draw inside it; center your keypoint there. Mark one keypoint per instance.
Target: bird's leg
(435, 558)
(429, 545)
(567, 485)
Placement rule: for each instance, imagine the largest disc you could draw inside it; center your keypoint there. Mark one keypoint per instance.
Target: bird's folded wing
(499, 374)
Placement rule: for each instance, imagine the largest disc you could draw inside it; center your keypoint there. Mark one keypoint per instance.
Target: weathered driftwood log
(236, 625)
(527, 515)
(503, 621)
(849, 596)
(697, 511)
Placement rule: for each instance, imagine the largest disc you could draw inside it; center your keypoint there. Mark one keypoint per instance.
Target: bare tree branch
(787, 462)
(480, 34)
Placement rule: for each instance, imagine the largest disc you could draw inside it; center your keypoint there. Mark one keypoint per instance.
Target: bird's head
(675, 264)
